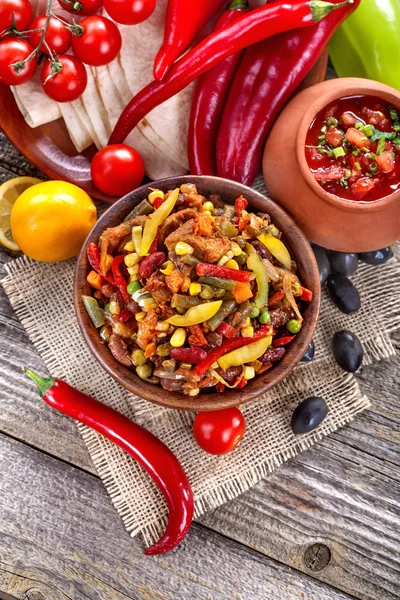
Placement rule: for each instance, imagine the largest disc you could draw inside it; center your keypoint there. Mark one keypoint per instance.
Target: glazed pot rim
(350, 86)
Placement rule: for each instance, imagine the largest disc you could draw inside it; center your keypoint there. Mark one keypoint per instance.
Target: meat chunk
(207, 249)
(146, 329)
(157, 287)
(177, 282)
(280, 316)
(334, 136)
(119, 350)
(175, 220)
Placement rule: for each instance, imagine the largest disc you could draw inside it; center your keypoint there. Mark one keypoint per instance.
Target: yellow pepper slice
(254, 263)
(156, 219)
(277, 249)
(246, 354)
(196, 314)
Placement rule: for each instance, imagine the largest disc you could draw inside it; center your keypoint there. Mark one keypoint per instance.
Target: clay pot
(330, 221)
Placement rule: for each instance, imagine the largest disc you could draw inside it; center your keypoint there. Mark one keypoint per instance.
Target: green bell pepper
(368, 43)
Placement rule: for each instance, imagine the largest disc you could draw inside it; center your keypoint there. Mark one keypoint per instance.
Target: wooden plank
(61, 539)
(14, 162)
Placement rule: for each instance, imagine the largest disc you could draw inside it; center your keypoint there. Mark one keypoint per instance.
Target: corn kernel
(155, 194)
(223, 260)
(131, 259)
(133, 277)
(133, 270)
(232, 264)
(236, 249)
(151, 306)
(114, 307)
(129, 247)
(162, 326)
(247, 332)
(185, 365)
(192, 392)
(245, 323)
(182, 248)
(178, 337)
(167, 267)
(207, 206)
(147, 301)
(140, 316)
(248, 372)
(206, 212)
(194, 288)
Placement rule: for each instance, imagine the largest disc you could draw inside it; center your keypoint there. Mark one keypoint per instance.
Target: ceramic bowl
(327, 220)
(300, 251)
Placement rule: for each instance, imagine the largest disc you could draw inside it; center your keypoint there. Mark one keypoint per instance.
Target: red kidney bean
(189, 355)
(272, 355)
(151, 262)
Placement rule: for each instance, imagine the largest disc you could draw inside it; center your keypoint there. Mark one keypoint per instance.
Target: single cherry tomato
(13, 51)
(64, 80)
(99, 43)
(219, 431)
(129, 12)
(18, 12)
(82, 7)
(117, 169)
(58, 38)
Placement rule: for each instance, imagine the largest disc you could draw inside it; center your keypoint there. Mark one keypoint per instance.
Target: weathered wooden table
(325, 526)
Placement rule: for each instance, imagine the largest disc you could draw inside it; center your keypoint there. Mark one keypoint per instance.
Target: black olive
(343, 293)
(323, 263)
(376, 257)
(309, 414)
(343, 262)
(347, 350)
(309, 353)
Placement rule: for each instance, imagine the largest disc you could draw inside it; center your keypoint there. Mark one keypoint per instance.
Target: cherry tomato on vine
(99, 43)
(219, 431)
(14, 50)
(68, 83)
(129, 12)
(82, 7)
(19, 10)
(117, 169)
(57, 37)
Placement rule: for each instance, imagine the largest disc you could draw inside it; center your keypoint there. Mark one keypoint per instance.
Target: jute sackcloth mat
(269, 441)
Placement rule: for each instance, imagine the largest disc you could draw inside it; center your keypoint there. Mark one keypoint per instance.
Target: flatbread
(78, 133)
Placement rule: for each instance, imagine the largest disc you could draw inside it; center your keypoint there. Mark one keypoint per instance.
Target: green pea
(206, 292)
(144, 371)
(133, 287)
(255, 312)
(164, 349)
(264, 318)
(138, 358)
(294, 326)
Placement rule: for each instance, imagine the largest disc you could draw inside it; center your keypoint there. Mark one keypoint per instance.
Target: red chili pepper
(306, 294)
(150, 452)
(220, 387)
(188, 355)
(222, 272)
(208, 103)
(228, 346)
(120, 280)
(125, 315)
(240, 205)
(249, 29)
(183, 22)
(196, 337)
(282, 341)
(275, 298)
(241, 383)
(148, 264)
(158, 201)
(267, 77)
(93, 255)
(154, 244)
(227, 330)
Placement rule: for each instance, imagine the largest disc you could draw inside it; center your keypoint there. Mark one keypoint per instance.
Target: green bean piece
(244, 310)
(226, 309)
(164, 349)
(219, 293)
(229, 211)
(93, 310)
(206, 292)
(218, 282)
(143, 208)
(144, 371)
(189, 259)
(255, 312)
(138, 358)
(227, 296)
(183, 301)
(228, 229)
(105, 333)
(169, 365)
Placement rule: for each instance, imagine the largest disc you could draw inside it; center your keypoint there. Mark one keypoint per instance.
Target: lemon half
(9, 192)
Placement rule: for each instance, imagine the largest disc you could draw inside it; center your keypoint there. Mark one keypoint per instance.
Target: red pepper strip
(227, 330)
(150, 452)
(125, 315)
(220, 387)
(183, 22)
(241, 383)
(240, 204)
(154, 244)
(93, 255)
(306, 294)
(119, 278)
(275, 298)
(251, 28)
(158, 201)
(282, 341)
(208, 103)
(266, 79)
(228, 346)
(222, 272)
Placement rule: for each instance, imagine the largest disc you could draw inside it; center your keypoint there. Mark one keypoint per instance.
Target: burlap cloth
(41, 295)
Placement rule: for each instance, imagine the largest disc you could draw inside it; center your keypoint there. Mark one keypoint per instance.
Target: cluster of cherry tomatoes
(95, 40)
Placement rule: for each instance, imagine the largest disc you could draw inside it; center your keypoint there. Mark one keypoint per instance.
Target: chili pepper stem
(44, 384)
(320, 9)
(238, 5)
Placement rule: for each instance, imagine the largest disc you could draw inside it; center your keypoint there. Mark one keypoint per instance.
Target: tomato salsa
(353, 148)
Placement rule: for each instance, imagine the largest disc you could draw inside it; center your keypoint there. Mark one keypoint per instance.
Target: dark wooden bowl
(300, 251)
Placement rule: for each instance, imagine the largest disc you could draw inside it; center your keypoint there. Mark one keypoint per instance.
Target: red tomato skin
(21, 10)
(100, 42)
(13, 50)
(117, 169)
(69, 84)
(89, 7)
(219, 431)
(129, 12)
(57, 36)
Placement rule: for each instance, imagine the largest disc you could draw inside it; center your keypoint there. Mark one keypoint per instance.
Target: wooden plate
(49, 147)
